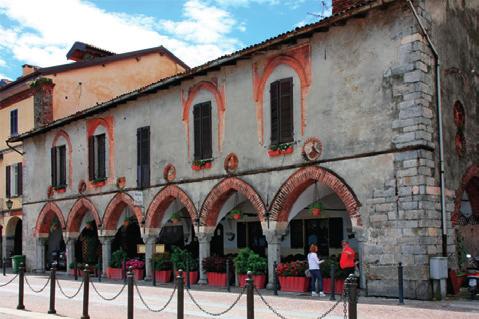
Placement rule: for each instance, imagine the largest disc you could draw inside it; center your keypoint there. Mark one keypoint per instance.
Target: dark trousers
(316, 275)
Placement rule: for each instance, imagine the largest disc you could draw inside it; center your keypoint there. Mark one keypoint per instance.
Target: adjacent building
(342, 113)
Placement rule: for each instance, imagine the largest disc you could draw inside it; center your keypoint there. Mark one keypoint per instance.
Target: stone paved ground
(292, 306)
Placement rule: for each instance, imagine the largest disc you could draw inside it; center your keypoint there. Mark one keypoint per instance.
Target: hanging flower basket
(175, 218)
(235, 214)
(315, 209)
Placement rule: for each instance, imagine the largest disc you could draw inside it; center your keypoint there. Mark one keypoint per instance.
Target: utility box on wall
(438, 275)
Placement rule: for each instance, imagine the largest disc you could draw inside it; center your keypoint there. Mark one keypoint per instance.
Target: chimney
(341, 5)
(28, 69)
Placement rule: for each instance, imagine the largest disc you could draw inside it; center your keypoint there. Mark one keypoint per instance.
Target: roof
(306, 31)
(82, 51)
(97, 61)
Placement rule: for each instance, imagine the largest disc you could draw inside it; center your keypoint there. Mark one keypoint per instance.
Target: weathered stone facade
(364, 87)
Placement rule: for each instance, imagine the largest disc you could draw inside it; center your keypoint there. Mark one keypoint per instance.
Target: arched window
(61, 160)
(202, 131)
(281, 100)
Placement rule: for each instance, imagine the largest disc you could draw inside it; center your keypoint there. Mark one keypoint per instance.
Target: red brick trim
(221, 192)
(78, 211)
(162, 201)
(44, 219)
(115, 209)
(302, 179)
(62, 133)
(472, 171)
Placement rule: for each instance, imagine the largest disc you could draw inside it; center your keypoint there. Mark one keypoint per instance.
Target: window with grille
(14, 180)
(202, 131)
(281, 94)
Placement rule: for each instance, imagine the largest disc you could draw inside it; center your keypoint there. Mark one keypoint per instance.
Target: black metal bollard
(250, 296)
(188, 283)
(400, 284)
(124, 270)
(130, 292)
(333, 282)
(21, 281)
(275, 278)
(52, 288)
(86, 292)
(153, 275)
(352, 296)
(228, 287)
(181, 296)
(4, 266)
(75, 270)
(99, 270)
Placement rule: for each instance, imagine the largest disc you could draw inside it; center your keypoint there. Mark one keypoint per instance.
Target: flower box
(294, 284)
(114, 273)
(259, 280)
(199, 165)
(216, 279)
(279, 151)
(196, 167)
(273, 153)
(194, 276)
(138, 274)
(289, 150)
(163, 276)
(338, 286)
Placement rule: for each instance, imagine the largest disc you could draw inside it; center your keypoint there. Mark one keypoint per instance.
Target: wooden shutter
(53, 159)
(101, 156)
(91, 158)
(143, 156)
(19, 179)
(286, 111)
(14, 122)
(63, 165)
(274, 98)
(197, 131)
(7, 179)
(206, 136)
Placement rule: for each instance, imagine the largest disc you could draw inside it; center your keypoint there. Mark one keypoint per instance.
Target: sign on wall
(137, 198)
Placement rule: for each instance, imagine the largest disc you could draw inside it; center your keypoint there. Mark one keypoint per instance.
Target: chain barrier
(9, 282)
(107, 298)
(37, 291)
(151, 309)
(69, 296)
(217, 314)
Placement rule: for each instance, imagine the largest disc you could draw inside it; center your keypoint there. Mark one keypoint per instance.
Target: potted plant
(175, 218)
(248, 260)
(235, 214)
(162, 266)
(339, 275)
(201, 164)
(137, 266)
(316, 208)
(183, 259)
(215, 269)
(291, 276)
(115, 270)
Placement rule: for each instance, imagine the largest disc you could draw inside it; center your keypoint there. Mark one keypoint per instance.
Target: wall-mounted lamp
(9, 203)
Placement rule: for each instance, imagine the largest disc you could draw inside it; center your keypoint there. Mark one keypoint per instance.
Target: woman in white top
(314, 269)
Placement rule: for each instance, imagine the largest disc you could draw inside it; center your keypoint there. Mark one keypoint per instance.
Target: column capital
(204, 237)
(272, 237)
(149, 239)
(105, 239)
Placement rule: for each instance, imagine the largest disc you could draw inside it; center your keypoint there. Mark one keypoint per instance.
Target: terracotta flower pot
(273, 153)
(163, 276)
(294, 284)
(138, 274)
(289, 150)
(207, 165)
(196, 167)
(216, 279)
(316, 212)
(259, 280)
(194, 276)
(114, 273)
(236, 216)
(338, 285)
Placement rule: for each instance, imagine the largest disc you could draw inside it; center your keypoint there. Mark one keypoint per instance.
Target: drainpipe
(439, 128)
(13, 148)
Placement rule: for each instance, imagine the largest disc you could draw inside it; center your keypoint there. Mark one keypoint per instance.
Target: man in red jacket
(347, 260)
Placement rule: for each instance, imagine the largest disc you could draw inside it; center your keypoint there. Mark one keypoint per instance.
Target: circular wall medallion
(169, 172)
(231, 163)
(312, 149)
(460, 142)
(121, 182)
(81, 187)
(459, 115)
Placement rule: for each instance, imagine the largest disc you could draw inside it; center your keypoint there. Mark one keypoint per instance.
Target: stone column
(149, 249)
(40, 264)
(105, 252)
(204, 240)
(70, 251)
(274, 245)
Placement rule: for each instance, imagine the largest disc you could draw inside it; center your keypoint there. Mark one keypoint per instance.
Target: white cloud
(2, 62)
(46, 30)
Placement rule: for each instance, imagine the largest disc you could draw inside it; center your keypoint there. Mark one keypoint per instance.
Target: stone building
(342, 112)
(43, 95)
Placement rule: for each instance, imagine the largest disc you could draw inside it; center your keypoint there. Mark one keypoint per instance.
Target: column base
(202, 282)
(148, 278)
(270, 286)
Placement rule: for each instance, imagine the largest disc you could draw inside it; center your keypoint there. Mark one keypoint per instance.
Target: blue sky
(40, 32)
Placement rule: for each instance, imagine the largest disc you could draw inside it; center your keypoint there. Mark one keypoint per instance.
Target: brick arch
(62, 133)
(299, 61)
(162, 201)
(302, 179)
(115, 209)
(218, 94)
(44, 219)
(221, 192)
(78, 211)
(473, 192)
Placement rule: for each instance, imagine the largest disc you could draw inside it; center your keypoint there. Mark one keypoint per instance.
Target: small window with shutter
(14, 180)
(281, 97)
(97, 157)
(202, 131)
(143, 156)
(13, 122)
(59, 166)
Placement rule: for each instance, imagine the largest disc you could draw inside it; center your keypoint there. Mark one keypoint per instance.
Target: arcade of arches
(283, 228)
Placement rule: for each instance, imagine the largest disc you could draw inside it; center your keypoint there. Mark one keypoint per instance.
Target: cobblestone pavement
(290, 305)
